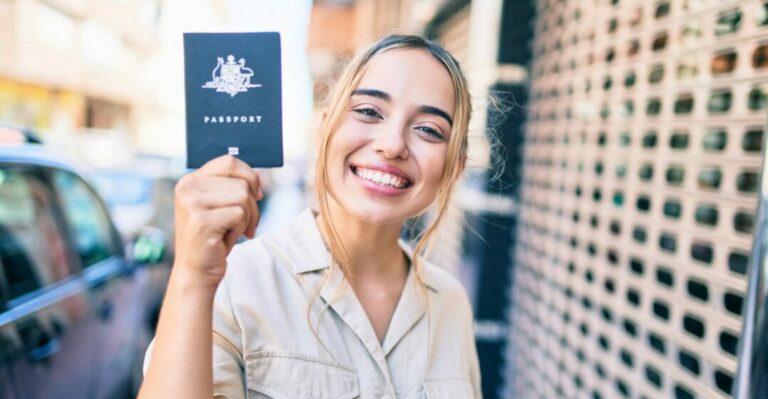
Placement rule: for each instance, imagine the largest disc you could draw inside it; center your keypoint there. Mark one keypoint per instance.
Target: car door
(116, 289)
(47, 323)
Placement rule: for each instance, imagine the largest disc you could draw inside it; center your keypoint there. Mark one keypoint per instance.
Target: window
(684, 104)
(673, 209)
(650, 139)
(629, 79)
(675, 175)
(719, 101)
(634, 48)
(724, 62)
(610, 54)
(630, 327)
(633, 297)
(762, 15)
(658, 343)
(760, 57)
(659, 42)
(747, 182)
(639, 234)
(643, 203)
(702, 252)
(679, 140)
(724, 381)
(753, 140)
(653, 107)
(694, 326)
(690, 362)
(744, 222)
(733, 302)
(737, 263)
(94, 240)
(613, 24)
(668, 242)
(656, 74)
(698, 290)
(33, 250)
(707, 214)
(618, 199)
(758, 97)
(715, 139)
(710, 178)
(637, 266)
(662, 10)
(646, 172)
(661, 310)
(687, 68)
(607, 83)
(665, 277)
(681, 392)
(691, 33)
(729, 342)
(728, 22)
(625, 139)
(653, 375)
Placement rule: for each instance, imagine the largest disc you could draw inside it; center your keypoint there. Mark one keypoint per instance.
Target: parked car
(138, 201)
(76, 310)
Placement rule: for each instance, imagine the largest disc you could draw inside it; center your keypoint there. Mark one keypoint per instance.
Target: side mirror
(150, 247)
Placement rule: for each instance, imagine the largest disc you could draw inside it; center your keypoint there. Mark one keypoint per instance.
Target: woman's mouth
(381, 178)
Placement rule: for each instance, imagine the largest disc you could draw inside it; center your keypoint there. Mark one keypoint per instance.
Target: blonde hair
(456, 148)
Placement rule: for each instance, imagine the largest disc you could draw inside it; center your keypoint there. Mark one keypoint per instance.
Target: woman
(335, 306)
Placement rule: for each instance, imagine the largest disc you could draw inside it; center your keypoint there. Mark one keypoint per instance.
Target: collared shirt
(269, 344)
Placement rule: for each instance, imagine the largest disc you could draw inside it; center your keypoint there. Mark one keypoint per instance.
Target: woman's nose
(391, 142)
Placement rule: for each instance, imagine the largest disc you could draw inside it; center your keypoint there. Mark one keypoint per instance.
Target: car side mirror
(150, 247)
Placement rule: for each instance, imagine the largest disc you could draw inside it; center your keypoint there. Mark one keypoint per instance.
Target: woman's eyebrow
(424, 109)
(428, 109)
(372, 93)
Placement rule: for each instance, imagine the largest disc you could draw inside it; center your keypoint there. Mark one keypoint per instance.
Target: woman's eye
(368, 113)
(434, 133)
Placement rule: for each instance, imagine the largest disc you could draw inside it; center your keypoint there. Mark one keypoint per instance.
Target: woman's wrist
(191, 282)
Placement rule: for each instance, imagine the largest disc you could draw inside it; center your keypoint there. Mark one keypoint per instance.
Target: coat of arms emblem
(231, 77)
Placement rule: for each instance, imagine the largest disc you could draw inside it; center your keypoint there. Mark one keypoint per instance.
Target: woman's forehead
(410, 75)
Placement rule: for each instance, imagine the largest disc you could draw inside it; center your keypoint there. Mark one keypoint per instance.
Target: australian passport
(233, 97)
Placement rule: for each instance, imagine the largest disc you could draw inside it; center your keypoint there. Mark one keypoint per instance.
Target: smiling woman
(335, 306)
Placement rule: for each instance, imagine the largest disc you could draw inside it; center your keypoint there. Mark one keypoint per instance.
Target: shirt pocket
(448, 388)
(286, 375)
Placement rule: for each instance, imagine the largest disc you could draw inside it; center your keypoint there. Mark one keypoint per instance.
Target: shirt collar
(303, 244)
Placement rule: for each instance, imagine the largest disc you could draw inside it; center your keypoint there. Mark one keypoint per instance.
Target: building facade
(643, 148)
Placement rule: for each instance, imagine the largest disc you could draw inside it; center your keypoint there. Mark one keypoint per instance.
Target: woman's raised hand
(215, 205)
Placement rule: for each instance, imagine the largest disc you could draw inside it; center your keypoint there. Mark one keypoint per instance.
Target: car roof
(42, 155)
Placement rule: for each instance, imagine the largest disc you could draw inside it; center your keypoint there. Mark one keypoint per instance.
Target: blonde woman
(335, 306)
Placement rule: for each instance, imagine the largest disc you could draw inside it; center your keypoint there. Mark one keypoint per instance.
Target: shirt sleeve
(228, 366)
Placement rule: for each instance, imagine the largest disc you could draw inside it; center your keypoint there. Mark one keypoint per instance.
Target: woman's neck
(372, 250)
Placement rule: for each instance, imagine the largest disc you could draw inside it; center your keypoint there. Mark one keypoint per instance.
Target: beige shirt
(264, 346)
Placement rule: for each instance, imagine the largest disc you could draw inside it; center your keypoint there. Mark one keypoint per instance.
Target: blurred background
(609, 228)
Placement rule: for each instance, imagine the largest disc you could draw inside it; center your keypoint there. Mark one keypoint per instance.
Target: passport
(233, 97)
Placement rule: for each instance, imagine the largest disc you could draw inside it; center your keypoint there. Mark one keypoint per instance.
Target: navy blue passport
(233, 93)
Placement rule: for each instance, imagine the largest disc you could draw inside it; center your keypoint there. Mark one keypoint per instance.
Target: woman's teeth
(382, 178)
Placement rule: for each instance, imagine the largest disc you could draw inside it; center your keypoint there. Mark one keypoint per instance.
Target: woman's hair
(456, 149)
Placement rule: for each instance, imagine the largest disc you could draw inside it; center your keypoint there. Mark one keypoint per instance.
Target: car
(137, 200)
(77, 308)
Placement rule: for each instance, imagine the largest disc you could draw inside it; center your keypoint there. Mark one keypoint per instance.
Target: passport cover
(233, 97)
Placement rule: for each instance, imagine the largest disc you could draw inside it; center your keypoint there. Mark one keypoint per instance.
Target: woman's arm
(214, 206)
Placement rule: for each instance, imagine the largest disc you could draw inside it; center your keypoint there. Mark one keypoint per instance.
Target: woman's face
(386, 160)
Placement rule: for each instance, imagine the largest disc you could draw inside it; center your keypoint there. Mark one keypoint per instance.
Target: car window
(87, 219)
(33, 251)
